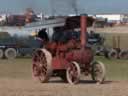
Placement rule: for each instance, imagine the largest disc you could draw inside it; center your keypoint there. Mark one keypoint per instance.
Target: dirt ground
(30, 87)
(16, 80)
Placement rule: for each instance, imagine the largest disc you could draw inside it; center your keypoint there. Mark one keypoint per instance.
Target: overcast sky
(65, 6)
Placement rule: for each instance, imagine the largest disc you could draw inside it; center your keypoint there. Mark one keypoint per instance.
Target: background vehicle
(13, 46)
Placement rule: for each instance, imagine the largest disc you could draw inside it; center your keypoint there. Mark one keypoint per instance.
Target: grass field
(116, 69)
(18, 68)
(21, 68)
(16, 79)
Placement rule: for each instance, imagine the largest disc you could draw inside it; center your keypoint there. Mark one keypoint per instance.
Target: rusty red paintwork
(81, 56)
(83, 30)
(73, 50)
(66, 60)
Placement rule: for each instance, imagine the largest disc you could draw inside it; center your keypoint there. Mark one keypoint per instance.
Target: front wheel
(98, 72)
(73, 73)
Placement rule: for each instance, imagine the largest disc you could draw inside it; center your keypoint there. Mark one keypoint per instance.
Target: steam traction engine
(67, 60)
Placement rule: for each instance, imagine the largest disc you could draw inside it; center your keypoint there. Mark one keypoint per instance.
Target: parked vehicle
(11, 46)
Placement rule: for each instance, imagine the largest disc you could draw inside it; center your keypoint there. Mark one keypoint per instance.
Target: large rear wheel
(42, 68)
(73, 73)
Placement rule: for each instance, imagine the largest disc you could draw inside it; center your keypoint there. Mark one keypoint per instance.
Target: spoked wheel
(73, 73)
(42, 68)
(98, 72)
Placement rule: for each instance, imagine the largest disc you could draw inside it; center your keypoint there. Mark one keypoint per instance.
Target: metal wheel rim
(98, 72)
(41, 68)
(73, 73)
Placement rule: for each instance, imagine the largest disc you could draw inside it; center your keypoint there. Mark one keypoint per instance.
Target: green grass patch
(21, 68)
(116, 69)
(18, 68)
